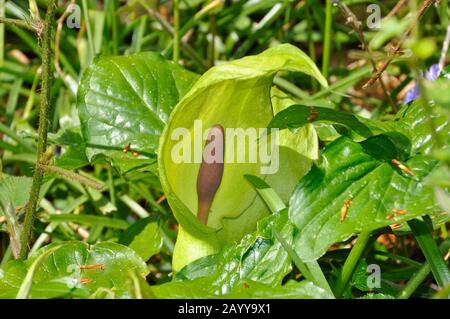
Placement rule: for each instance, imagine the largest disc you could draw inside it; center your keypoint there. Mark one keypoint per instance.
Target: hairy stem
(357, 27)
(47, 77)
(327, 39)
(17, 23)
(423, 9)
(176, 29)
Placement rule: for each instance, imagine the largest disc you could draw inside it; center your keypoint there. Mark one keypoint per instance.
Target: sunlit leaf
(126, 100)
(74, 269)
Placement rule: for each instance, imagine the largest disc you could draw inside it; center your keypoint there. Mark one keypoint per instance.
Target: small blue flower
(412, 94)
(431, 74)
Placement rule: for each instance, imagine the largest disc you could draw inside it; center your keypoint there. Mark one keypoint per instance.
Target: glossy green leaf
(14, 194)
(236, 94)
(14, 190)
(299, 115)
(374, 186)
(290, 290)
(74, 155)
(144, 237)
(411, 122)
(259, 257)
(127, 100)
(62, 269)
(439, 91)
(377, 296)
(91, 220)
(11, 277)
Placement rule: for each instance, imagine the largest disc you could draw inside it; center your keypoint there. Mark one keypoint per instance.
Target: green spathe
(235, 95)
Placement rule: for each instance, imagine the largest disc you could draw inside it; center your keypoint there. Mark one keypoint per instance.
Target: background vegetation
(116, 196)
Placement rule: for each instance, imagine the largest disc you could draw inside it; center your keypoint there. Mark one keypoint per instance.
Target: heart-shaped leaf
(72, 269)
(355, 189)
(144, 237)
(124, 102)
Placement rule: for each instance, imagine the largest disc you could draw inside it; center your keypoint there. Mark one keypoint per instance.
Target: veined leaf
(290, 290)
(74, 155)
(259, 257)
(74, 269)
(126, 100)
(144, 237)
(354, 190)
(14, 190)
(299, 115)
(411, 121)
(91, 220)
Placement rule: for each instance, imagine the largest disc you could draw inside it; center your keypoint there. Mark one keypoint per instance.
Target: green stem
(310, 270)
(311, 45)
(290, 88)
(17, 22)
(114, 31)
(88, 27)
(430, 249)
(419, 276)
(20, 141)
(351, 262)
(112, 190)
(295, 258)
(176, 29)
(327, 39)
(415, 282)
(188, 50)
(212, 48)
(443, 9)
(72, 175)
(47, 78)
(319, 278)
(2, 33)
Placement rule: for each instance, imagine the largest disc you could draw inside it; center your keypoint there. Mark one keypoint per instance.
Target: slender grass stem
(417, 279)
(290, 87)
(176, 30)
(212, 45)
(88, 27)
(114, 31)
(112, 189)
(169, 29)
(2, 33)
(430, 249)
(415, 282)
(47, 78)
(20, 141)
(310, 270)
(311, 44)
(17, 22)
(327, 39)
(351, 262)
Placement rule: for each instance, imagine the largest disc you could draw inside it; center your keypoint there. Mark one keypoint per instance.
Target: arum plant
(214, 204)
